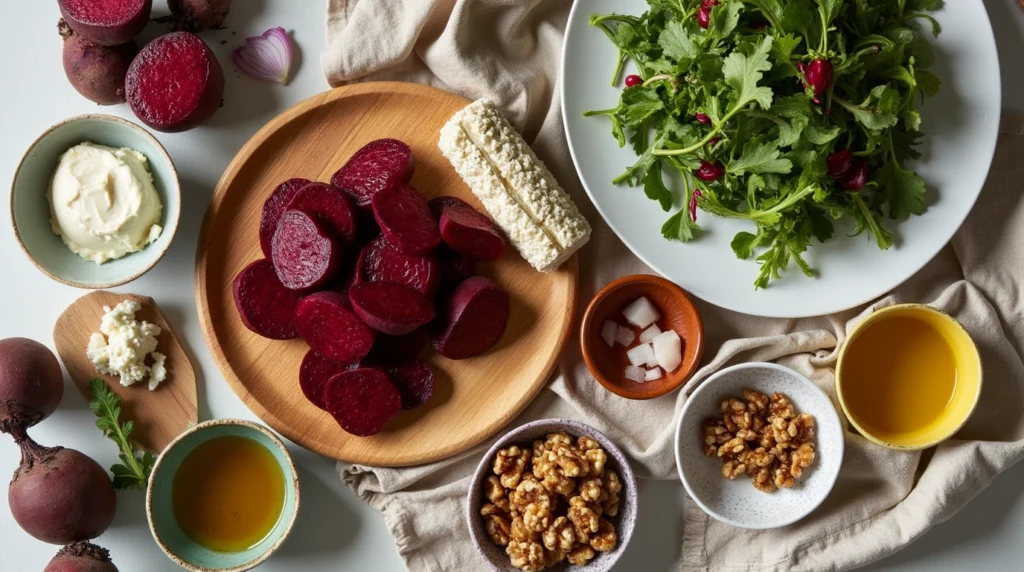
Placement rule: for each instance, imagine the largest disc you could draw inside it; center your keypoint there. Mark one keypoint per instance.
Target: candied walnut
(780, 407)
(734, 447)
(612, 482)
(763, 480)
(604, 539)
(757, 402)
(767, 440)
(733, 469)
(581, 555)
(760, 457)
(592, 491)
(803, 425)
(519, 530)
(560, 536)
(533, 502)
(594, 461)
(801, 458)
(493, 490)
(526, 555)
(499, 529)
(584, 519)
(587, 443)
(783, 478)
(731, 405)
(758, 424)
(780, 430)
(509, 465)
(568, 460)
(552, 557)
(552, 475)
(500, 508)
(746, 434)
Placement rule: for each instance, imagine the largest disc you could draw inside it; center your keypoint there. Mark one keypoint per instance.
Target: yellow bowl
(965, 392)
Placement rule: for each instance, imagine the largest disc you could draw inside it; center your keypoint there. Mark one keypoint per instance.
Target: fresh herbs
(749, 99)
(134, 469)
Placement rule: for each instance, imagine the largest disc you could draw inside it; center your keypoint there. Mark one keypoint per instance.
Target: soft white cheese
(122, 345)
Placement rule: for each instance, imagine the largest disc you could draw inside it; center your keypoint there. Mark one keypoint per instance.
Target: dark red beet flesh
(454, 269)
(390, 308)
(97, 72)
(380, 261)
(175, 83)
(326, 322)
(366, 227)
(390, 350)
(474, 320)
(106, 22)
(31, 383)
(471, 234)
(199, 14)
(265, 306)
(314, 373)
(81, 557)
(329, 204)
(305, 252)
(415, 381)
(378, 165)
(362, 401)
(275, 206)
(405, 220)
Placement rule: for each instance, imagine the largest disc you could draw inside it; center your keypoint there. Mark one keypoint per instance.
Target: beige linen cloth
(509, 50)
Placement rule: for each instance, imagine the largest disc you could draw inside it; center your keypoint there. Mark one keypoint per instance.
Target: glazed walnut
(604, 539)
(526, 555)
(780, 407)
(509, 465)
(519, 530)
(533, 502)
(560, 536)
(584, 518)
(580, 555)
(499, 529)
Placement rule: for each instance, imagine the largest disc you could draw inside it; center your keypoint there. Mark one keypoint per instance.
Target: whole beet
(81, 557)
(193, 15)
(107, 23)
(31, 383)
(60, 495)
(97, 72)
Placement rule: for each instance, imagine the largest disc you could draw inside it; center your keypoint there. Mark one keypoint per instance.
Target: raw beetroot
(314, 373)
(329, 204)
(474, 320)
(326, 322)
(362, 401)
(31, 384)
(264, 304)
(274, 207)
(380, 261)
(471, 234)
(305, 252)
(199, 14)
(415, 381)
(106, 22)
(390, 308)
(97, 72)
(175, 83)
(405, 220)
(81, 557)
(378, 165)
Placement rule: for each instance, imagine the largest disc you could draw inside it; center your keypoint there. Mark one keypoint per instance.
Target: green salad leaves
(790, 114)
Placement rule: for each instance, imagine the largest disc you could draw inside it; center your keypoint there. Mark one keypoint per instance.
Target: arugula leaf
(744, 71)
(654, 187)
(638, 105)
(134, 469)
(675, 43)
(760, 157)
(680, 227)
(904, 190)
(878, 111)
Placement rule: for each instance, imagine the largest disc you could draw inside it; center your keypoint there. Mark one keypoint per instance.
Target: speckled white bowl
(737, 502)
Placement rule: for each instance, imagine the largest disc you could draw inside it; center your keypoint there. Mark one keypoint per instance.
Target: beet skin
(97, 72)
(81, 557)
(106, 22)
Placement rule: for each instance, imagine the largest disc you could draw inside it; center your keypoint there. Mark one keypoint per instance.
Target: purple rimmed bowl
(524, 436)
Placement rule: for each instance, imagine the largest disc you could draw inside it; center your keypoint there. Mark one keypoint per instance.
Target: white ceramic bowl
(737, 502)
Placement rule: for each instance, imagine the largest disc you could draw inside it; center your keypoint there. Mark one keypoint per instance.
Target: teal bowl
(184, 551)
(30, 211)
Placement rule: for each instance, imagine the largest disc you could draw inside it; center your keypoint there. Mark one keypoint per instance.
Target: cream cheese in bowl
(103, 203)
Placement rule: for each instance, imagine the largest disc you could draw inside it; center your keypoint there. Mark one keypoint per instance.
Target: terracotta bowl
(678, 313)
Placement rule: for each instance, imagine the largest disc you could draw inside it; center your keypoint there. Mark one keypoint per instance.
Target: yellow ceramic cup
(965, 394)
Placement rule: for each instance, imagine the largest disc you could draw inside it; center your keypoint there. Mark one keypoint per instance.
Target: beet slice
(306, 254)
(362, 400)
(106, 22)
(405, 220)
(378, 165)
(390, 350)
(390, 308)
(454, 269)
(264, 304)
(380, 261)
(315, 372)
(471, 234)
(415, 381)
(326, 322)
(437, 204)
(329, 204)
(274, 207)
(175, 83)
(367, 229)
(474, 320)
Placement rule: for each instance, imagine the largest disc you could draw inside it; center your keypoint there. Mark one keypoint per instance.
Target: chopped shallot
(641, 313)
(636, 374)
(668, 350)
(653, 374)
(642, 355)
(648, 335)
(608, 333)
(625, 336)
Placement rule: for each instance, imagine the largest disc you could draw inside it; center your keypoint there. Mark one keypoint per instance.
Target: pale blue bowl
(184, 551)
(30, 211)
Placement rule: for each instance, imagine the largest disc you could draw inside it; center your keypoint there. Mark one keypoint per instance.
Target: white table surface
(335, 530)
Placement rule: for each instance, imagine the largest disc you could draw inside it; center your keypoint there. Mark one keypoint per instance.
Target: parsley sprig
(134, 469)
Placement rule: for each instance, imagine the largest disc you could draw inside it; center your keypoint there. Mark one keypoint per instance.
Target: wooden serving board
(474, 398)
(159, 416)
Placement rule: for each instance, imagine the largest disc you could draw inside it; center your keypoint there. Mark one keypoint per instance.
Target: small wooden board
(159, 415)
(474, 398)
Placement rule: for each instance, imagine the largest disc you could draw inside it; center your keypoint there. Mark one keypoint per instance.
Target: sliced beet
(106, 22)
(275, 206)
(378, 165)
(362, 400)
(405, 220)
(380, 261)
(366, 227)
(438, 204)
(264, 304)
(305, 252)
(326, 322)
(474, 320)
(454, 269)
(471, 234)
(390, 350)
(315, 372)
(415, 381)
(175, 83)
(331, 205)
(390, 308)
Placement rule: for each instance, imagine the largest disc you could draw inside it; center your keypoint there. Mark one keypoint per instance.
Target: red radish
(329, 204)
(405, 220)
(305, 252)
(106, 22)
(438, 204)
(378, 165)
(31, 384)
(857, 177)
(471, 234)
(97, 72)
(265, 306)
(398, 349)
(314, 373)
(710, 172)
(175, 83)
(81, 557)
(415, 381)
(839, 163)
(474, 320)
(380, 261)
(703, 118)
(817, 75)
(390, 308)
(275, 206)
(633, 80)
(362, 401)
(326, 322)
(199, 14)
(59, 495)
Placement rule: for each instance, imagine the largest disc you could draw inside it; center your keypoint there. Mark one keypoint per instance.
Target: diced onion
(641, 313)
(636, 374)
(625, 336)
(608, 332)
(668, 350)
(648, 335)
(652, 374)
(642, 355)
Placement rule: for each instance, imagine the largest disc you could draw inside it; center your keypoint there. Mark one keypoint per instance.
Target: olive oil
(228, 494)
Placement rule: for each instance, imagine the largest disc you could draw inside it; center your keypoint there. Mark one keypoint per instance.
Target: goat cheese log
(516, 188)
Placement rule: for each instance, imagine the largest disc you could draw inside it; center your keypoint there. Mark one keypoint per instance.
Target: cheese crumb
(122, 345)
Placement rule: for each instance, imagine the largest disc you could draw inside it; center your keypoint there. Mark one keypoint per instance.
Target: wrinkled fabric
(508, 51)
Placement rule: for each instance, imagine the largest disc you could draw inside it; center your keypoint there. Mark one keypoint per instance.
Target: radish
(857, 177)
(840, 163)
(710, 172)
(81, 557)
(641, 313)
(633, 81)
(31, 384)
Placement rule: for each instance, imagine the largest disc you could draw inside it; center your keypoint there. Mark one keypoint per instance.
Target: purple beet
(31, 384)
(390, 308)
(415, 381)
(314, 373)
(378, 165)
(380, 261)
(362, 401)
(329, 204)
(274, 207)
(81, 557)
(326, 322)
(264, 304)
(106, 22)
(405, 220)
(97, 72)
(474, 320)
(305, 252)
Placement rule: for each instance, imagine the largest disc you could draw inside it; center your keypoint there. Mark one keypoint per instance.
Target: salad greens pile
(790, 114)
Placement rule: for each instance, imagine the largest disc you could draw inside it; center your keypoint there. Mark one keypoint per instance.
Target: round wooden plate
(474, 398)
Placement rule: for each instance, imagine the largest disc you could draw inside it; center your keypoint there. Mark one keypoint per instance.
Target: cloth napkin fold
(509, 50)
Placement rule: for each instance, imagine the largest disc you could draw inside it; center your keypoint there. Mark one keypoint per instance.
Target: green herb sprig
(134, 469)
